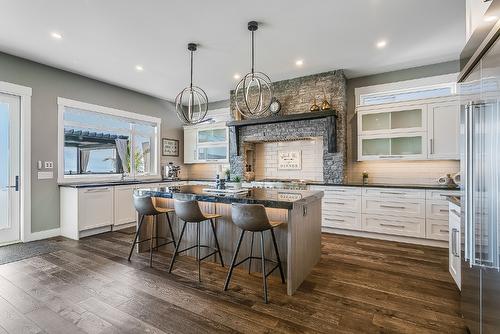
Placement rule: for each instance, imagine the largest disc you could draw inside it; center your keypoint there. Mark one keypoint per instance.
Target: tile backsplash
(266, 159)
(402, 172)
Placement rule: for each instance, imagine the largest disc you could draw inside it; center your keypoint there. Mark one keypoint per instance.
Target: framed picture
(169, 147)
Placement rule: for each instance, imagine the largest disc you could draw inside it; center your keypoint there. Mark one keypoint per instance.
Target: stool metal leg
(136, 236)
(153, 224)
(263, 266)
(235, 257)
(177, 248)
(278, 256)
(198, 256)
(156, 233)
(170, 228)
(251, 254)
(217, 242)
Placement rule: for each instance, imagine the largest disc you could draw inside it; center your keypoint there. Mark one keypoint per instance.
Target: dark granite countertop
(109, 183)
(385, 185)
(272, 198)
(454, 199)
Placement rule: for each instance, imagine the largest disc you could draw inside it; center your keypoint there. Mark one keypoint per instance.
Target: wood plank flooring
(360, 286)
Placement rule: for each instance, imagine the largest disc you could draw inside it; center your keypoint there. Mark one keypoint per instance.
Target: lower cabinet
(415, 213)
(124, 210)
(455, 244)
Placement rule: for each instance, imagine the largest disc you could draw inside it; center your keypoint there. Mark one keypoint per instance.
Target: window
(407, 94)
(103, 142)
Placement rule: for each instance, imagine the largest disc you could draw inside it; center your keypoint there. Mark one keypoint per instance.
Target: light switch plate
(49, 164)
(45, 175)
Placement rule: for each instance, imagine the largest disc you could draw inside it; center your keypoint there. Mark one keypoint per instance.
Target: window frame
(62, 178)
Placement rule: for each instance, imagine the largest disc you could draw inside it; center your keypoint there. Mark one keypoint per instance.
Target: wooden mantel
(330, 114)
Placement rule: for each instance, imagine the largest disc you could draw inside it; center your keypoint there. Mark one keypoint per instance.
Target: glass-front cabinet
(392, 132)
(206, 143)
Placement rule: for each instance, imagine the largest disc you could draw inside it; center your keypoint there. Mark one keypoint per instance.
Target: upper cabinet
(417, 130)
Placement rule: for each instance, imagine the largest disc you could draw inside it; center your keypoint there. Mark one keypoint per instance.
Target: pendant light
(191, 103)
(254, 92)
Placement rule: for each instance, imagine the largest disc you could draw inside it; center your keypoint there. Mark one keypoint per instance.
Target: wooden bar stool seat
(145, 207)
(253, 218)
(190, 212)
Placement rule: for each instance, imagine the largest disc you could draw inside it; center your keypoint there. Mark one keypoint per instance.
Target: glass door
(9, 168)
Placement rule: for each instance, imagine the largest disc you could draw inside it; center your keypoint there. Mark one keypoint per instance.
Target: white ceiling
(107, 39)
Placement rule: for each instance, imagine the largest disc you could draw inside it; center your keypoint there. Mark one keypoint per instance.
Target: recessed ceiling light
(56, 35)
(381, 44)
(490, 18)
(237, 76)
(299, 62)
(139, 68)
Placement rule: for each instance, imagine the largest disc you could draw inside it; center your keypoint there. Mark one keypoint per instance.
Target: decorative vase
(314, 106)
(325, 105)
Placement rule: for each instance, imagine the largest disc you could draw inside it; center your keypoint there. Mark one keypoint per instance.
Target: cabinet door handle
(444, 210)
(432, 145)
(454, 242)
(340, 203)
(392, 193)
(335, 220)
(392, 225)
(444, 231)
(392, 206)
(98, 190)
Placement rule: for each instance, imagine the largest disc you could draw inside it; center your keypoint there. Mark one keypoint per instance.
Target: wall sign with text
(170, 147)
(290, 160)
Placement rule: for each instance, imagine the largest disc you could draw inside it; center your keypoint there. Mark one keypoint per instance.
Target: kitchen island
(299, 239)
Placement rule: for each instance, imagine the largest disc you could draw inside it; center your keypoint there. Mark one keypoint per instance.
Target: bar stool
(145, 207)
(253, 218)
(190, 212)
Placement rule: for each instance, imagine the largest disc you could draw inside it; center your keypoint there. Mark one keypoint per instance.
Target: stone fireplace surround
(296, 96)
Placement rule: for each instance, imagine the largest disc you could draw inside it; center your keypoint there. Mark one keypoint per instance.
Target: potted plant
(227, 172)
(237, 182)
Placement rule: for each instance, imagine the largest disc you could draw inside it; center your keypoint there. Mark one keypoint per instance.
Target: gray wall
(49, 83)
(218, 104)
(383, 78)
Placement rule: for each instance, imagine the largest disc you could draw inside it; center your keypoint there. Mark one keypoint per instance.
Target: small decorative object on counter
(220, 183)
(325, 105)
(447, 181)
(314, 106)
(237, 182)
(228, 174)
(365, 178)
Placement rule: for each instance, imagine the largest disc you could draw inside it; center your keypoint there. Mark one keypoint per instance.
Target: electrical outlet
(49, 164)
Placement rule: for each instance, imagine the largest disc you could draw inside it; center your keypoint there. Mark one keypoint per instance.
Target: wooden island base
(299, 239)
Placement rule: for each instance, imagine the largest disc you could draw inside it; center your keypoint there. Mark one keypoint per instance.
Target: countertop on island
(271, 198)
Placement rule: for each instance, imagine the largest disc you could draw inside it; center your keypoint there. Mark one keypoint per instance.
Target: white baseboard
(55, 232)
(397, 238)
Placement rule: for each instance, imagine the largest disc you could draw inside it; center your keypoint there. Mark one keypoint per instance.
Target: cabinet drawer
(437, 210)
(393, 193)
(345, 220)
(440, 195)
(342, 203)
(436, 229)
(410, 227)
(392, 207)
(332, 190)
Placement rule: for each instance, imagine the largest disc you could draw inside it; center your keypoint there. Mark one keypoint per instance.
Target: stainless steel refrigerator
(479, 88)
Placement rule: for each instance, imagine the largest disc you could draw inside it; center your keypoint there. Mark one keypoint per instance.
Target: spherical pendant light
(191, 103)
(254, 93)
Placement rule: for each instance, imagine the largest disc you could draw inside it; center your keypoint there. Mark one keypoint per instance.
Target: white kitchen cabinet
(454, 244)
(443, 130)
(95, 207)
(124, 210)
(190, 144)
(415, 130)
(207, 143)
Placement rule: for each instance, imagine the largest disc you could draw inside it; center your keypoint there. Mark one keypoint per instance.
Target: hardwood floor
(360, 286)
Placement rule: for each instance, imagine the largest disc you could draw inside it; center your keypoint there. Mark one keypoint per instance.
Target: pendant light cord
(252, 53)
(191, 84)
